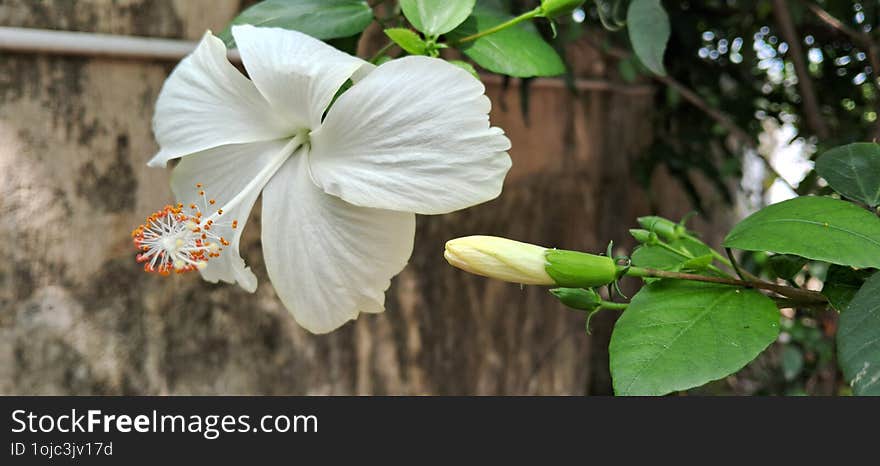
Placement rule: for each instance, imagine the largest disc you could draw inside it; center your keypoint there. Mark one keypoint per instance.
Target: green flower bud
(666, 229)
(642, 236)
(578, 298)
(573, 269)
(556, 8)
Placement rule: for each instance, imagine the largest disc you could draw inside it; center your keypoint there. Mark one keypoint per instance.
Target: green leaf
(648, 26)
(517, 51)
(858, 339)
(407, 40)
(321, 19)
(786, 265)
(842, 284)
(435, 17)
(348, 44)
(678, 334)
(465, 66)
(818, 228)
(853, 171)
(657, 257)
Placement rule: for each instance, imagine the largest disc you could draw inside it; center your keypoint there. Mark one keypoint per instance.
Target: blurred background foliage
(754, 90)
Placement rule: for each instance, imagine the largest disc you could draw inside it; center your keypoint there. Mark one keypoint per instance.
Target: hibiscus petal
(226, 173)
(298, 74)
(207, 103)
(413, 136)
(329, 260)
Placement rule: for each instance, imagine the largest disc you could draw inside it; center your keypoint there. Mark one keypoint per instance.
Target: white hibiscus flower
(340, 186)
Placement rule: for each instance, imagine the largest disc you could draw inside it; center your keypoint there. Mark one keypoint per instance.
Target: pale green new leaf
(436, 17)
(465, 66)
(685, 250)
(407, 40)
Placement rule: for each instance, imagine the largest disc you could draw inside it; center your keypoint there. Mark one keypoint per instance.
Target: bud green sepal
(556, 8)
(643, 236)
(578, 298)
(572, 269)
(664, 228)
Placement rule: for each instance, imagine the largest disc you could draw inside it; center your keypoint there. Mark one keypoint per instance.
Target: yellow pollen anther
(171, 241)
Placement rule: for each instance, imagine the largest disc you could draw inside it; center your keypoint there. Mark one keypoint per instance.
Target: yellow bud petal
(500, 258)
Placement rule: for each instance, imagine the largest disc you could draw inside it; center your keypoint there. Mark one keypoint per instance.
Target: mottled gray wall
(78, 316)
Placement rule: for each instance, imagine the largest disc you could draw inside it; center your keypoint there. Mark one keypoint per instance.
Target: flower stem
(513, 22)
(612, 305)
(381, 52)
(795, 294)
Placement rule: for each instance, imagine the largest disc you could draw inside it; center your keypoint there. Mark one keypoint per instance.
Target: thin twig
(694, 99)
(811, 109)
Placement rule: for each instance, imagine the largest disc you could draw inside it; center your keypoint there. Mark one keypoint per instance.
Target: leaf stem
(512, 22)
(795, 294)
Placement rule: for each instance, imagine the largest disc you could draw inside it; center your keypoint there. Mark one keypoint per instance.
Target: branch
(694, 99)
(797, 295)
(808, 94)
(860, 38)
(720, 117)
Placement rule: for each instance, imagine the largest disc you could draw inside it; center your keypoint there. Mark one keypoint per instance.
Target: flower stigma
(181, 238)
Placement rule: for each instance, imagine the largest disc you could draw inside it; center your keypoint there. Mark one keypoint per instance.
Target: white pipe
(27, 40)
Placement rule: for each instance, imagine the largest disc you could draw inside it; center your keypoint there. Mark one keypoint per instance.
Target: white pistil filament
(182, 238)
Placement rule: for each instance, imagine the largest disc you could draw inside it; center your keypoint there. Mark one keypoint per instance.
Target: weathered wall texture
(78, 316)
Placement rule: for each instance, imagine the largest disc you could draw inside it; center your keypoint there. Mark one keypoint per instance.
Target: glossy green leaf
(853, 170)
(436, 17)
(858, 339)
(841, 285)
(407, 40)
(818, 228)
(677, 335)
(648, 26)
(321, 19)
(516, 51)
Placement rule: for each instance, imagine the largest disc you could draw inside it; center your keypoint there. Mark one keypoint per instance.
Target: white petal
(298, 74)
(329, 260)
(206, 103)
(225, 173)
(413, 136)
